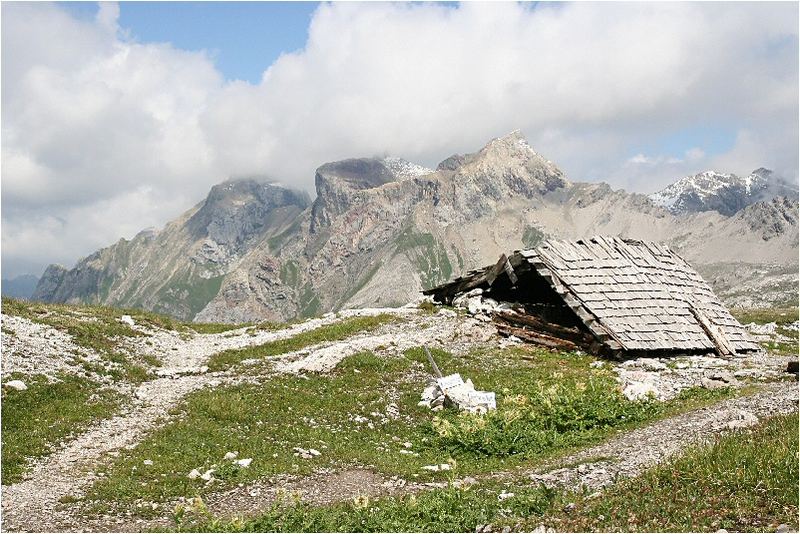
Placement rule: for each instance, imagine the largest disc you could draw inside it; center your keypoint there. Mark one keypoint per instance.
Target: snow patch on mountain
(405, 169)
(722, 192)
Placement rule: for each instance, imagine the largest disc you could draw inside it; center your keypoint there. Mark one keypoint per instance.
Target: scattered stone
(148, 462)
(783, 527)
(393, 411)
(208, 475)
(639, 391)
(569, 507)
(244, 462)
(710, 383)
(19, 385)
(505, 495)
(439, 467)
(128, 320)
(741, 419)
(231, 455)
(597, 364)
(193, 474)
(724, 376)
(306, 454)
(465, 482)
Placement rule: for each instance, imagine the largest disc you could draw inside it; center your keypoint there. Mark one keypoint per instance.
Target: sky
(118, 117)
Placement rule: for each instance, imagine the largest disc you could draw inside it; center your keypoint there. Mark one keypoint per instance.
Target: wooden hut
(606, 295)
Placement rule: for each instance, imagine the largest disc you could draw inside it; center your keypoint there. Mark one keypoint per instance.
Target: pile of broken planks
(516, 322)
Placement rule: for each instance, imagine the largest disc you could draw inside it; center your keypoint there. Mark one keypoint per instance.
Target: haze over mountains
(381, 230)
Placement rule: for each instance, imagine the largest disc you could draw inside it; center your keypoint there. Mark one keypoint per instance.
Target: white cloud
(93, 119)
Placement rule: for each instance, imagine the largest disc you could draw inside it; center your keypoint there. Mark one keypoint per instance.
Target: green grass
(93, 327)
(35, 420)
(781, 316)
(332, 332)
(427, 255)
(98, 329)
(744, 481)
(343, 416)
(445, 510)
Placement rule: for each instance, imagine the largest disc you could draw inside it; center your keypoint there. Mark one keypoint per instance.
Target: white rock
(128, 320)
(444, 312)
(208, 475)
(231, 455)
(653, 365)
(314, 452)
(597, 364)
(244, 462)
(19, 385)
(741, 419)
(148, 462)
(639, 390)
(439, 467)
(505, 495)
(407, 444)
(193, 474)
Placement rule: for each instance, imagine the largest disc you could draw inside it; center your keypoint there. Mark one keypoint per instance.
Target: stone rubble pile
(478, 306)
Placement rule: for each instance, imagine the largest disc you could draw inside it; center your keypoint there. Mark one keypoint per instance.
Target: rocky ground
(39, 503)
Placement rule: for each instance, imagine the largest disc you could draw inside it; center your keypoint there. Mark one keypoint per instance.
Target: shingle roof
(642, 294)
(632, 295)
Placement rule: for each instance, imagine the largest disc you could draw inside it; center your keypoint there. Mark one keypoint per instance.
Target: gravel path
(633, 452)
(626, 455)
(33, 504)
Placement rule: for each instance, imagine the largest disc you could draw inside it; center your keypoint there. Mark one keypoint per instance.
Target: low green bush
(559, 415)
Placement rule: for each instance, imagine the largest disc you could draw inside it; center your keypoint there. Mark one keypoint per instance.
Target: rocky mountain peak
(49, 282)
(237, 209)
(725, 193)
(772, 218)
(508, 165)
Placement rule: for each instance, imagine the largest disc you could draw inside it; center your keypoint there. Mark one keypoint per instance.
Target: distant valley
(21, 287)
(381, 230)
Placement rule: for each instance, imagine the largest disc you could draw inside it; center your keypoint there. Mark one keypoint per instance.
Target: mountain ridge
(722, 192)
(382, 229)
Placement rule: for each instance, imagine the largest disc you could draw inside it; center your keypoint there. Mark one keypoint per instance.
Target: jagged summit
(238, 209)
(722, 192)
(381, 229)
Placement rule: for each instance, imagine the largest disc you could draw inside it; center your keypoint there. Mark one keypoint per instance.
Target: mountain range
(382, 229)
(721, 192)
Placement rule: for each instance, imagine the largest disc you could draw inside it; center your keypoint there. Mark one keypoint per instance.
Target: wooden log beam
(538, 338)
(531, 320)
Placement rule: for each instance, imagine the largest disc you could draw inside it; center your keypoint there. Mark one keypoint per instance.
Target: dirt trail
(626, 455)
(34, 504)
(629, 454)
